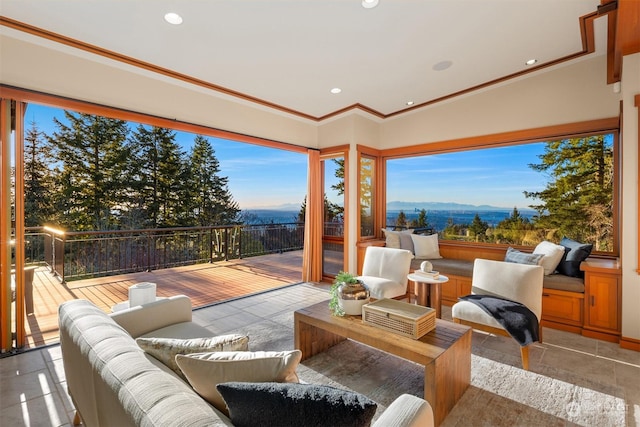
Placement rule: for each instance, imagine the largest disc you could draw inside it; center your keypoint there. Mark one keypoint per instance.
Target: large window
(367, 191)
(516, 194)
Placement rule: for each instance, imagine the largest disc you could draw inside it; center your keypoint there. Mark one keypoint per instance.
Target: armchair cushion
(379, 287)
(516, 282)
(385, 270)
(515, 318)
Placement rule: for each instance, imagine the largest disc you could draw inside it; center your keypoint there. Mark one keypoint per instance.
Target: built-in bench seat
(589, 306)
(562, 296)
(464, 268)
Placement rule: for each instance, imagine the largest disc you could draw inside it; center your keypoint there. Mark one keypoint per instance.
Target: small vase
(352, 296)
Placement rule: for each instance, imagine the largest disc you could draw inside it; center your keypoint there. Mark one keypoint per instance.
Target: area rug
(499, 394)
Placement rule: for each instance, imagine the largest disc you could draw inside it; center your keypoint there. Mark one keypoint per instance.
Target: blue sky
(266, 177)
(258, 176)
(495, 176)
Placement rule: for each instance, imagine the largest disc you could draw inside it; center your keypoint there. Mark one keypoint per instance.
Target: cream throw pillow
(552, 254)
(166, 349)
(205, 371)
(398, 239)
(426, 247)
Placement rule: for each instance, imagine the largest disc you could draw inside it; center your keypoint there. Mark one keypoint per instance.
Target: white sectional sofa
(113, 382)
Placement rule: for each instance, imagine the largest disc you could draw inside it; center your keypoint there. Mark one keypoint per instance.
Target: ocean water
(437, 219)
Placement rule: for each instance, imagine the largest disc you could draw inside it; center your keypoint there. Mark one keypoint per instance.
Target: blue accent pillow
(294, 404)
(574, 254)
(514, 255)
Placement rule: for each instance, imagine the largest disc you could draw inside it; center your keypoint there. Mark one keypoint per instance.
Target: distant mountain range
(446, 206)
(404, 206)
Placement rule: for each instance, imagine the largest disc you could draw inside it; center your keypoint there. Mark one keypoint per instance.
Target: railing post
(226, 243)
(211, 245)
(240, 241)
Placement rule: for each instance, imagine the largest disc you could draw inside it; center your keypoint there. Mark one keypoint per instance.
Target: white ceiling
(290, 53)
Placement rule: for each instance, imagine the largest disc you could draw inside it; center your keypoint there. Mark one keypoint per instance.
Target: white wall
(630, 278)
(31, 63)
(562, 95)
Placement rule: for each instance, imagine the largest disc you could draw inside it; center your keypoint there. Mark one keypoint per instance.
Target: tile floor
(32, 384)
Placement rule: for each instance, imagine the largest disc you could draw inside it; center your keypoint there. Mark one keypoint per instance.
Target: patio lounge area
(205, 284)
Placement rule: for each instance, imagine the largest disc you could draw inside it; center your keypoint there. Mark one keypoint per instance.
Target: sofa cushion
(112, 381)
(456, 267)
(576, 253)
(166, 349)
(552, 254)
(205, 371)
(561, 282)
(294, 405)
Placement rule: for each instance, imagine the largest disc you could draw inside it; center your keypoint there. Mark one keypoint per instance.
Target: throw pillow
(166, 349)
(426, 247)
(576, 253)
(392, 238)
(284, 405)
(552, 254)
(205, 371)
(398, 239)
(514, 255)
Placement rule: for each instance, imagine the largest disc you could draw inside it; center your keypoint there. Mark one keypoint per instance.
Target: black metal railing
(79, 255)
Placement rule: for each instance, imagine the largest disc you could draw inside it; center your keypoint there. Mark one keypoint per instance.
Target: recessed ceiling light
(531, 61)
(410, 103)
(442, 65)
(336, 90)
(173, 18)
(369, 4)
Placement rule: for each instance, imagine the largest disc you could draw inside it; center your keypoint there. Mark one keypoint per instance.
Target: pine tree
(478, 228)
(421, 221)
(38, 181)
(91, 175)
(578, 200)
(210, 203)
(401, 221)
(149, 197)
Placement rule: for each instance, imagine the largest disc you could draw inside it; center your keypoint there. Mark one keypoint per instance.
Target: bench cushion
(464, 268)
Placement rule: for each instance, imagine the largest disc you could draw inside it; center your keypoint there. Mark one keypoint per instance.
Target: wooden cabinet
(603, 298)
(456, 287)
(562, 310)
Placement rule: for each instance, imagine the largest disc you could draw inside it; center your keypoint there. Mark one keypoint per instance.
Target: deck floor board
(205, 284)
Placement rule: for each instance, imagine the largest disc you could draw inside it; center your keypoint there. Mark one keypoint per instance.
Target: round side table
(426, 286)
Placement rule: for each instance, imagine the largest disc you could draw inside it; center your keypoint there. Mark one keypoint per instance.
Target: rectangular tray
(410, 320)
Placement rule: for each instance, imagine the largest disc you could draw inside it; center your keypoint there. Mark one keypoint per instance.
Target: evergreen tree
(156, 153)
(578, 199)
(91, 179)
(515, 229)
(38, 181)
(210, 203)
(401, 221)
(478, 228)
(421, 221)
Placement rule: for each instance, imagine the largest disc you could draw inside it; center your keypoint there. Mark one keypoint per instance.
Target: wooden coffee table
(445, 352)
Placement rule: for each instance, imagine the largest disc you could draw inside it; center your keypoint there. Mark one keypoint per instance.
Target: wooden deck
(205, 284)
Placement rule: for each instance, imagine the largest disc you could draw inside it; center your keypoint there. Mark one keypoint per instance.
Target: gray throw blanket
(516, 318)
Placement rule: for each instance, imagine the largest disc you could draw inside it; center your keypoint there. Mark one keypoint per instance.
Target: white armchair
(385, 270)
(516, 282)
